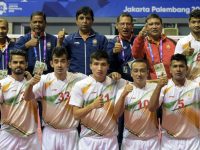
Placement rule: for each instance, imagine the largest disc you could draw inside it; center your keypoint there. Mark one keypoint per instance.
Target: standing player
(93, 99)
(18, 116)
(54, 89)
(190, 45)
(180, 99)
(140, 125)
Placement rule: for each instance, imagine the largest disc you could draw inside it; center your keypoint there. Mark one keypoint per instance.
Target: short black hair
(4, 20)
(18, 52)
(99, 54)
(139, 60)
(85, 10)
(153, 16)
(59, 51)
(39, 13)
(179, 57)
(195, 14)
(125, 14)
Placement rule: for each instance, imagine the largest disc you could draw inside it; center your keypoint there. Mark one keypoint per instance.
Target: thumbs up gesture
(128, 88)
(144, 31)
(118, 47)
(61, 36)
(188, 50)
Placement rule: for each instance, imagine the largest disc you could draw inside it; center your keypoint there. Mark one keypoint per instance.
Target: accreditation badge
(125, 69)
(160, 70)
(39, 67)
(3, 74)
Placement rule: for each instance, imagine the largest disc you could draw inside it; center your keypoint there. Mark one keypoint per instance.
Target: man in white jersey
(54, 89)
(180, 100)
(93, 99)
(18, 116)
(190, 45)
(140, 125)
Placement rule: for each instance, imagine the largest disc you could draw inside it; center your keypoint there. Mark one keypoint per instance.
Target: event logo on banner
(3, 8)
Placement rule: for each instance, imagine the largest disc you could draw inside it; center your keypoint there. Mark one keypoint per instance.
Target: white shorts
(170, 143)
(10, 141)
(57, 139)
(139, 144)
(98, 143)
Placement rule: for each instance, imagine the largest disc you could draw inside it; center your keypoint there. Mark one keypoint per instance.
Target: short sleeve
(77, 98)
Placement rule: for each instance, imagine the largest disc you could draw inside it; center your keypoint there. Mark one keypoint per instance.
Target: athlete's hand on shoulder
(115, 75)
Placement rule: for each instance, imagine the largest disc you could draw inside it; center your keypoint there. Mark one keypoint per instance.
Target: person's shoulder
(192, 83)
(26, 36)
(6, 81)
(50, 35)
(47, 77)
(84, 82)
(170, 40)
(184, 39)
(77, 76)
(151, 85)
(97, 34)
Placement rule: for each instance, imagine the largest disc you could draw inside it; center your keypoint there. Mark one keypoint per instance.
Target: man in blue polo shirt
(82, 43)
(37, 43)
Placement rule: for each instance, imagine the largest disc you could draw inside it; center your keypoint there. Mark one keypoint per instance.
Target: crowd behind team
(82, 91)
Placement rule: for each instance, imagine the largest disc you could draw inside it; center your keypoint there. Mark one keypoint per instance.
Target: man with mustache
(119, 48)
(154, 46)
(190, 45)
(82, 43)
(38, 44)
(6, 44)
(18, 116)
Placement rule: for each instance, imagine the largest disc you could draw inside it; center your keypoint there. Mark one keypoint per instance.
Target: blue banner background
(102, 8)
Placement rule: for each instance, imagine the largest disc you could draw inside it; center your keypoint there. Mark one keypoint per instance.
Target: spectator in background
(82, 43)
(38, 44)
(119, 48)
(190, 45)
(5, 46)
(154, 46)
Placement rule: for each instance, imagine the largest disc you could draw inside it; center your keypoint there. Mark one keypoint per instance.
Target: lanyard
(160, 51)
(122, 52)
(40, 53)
(4, 60)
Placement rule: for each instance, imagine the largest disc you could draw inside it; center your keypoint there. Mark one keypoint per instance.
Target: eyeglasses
(123, 24)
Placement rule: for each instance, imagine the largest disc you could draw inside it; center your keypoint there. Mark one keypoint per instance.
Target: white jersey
(191, 60)
(138, 120)
(55, 94)
(181, 109)
(99, 121)
(17, 115)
